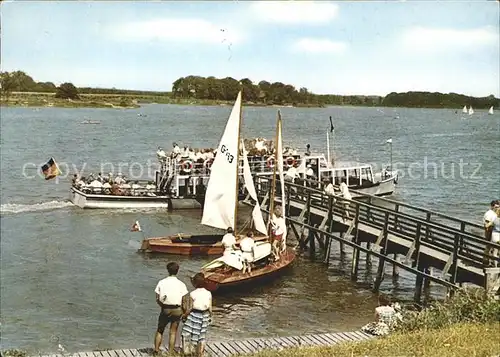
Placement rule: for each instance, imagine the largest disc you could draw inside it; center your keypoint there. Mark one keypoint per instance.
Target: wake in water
(13, 208)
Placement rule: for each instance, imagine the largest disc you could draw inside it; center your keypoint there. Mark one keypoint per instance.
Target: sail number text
(227, 154)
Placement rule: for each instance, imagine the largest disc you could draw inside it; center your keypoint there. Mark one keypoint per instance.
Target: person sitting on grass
(387, 316)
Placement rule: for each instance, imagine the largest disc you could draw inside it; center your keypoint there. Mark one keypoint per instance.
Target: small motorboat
(185, 244)
(90, 122)
(218, 279)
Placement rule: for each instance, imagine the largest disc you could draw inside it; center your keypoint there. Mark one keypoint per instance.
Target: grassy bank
(32, 99)
(118, 101)
(463, 340)
(466, 325)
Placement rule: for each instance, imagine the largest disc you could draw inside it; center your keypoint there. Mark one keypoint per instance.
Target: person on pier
(197, 316)
(495, 235)
(169, 293)
(329, 189)
(229, 241)
(488, 221)
(247, 244)
(278, 224)
(344, 190)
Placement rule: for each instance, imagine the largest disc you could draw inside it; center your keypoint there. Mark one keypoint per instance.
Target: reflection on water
(74, 276)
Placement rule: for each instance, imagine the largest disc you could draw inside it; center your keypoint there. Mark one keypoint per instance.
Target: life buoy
(186, 165)
(270, 162)
(290, 161)
(208, 163)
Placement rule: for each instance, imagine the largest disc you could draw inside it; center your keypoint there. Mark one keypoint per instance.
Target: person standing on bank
(197, 316)
(169, 293)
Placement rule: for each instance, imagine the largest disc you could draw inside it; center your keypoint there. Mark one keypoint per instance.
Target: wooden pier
(238, 347)
(434, 247)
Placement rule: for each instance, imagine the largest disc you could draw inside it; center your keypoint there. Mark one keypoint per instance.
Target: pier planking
(238, 347)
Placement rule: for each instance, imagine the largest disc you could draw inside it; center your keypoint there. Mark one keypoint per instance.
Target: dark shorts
(278, 237)
(167, 316)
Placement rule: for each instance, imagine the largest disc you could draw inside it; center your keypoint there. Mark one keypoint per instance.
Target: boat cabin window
(366, 175)
(354, 176)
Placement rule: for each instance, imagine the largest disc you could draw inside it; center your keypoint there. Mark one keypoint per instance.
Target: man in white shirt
(229, 241)
(347, 195)
(176, 150)
(279, 228)
(247, 244)
(169, 293)
(329, 189)
(488, 219)
(291, 174)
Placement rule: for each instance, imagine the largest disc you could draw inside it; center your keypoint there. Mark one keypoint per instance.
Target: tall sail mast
(273, 187)
(237, 169)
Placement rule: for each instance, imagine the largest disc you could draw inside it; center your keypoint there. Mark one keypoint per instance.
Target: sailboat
(464, 110)
(217, 278)
(471, 111)
(490, 112)
(221, 202)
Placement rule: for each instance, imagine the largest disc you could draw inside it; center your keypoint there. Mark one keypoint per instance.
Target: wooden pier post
(395, 270)
(381, 261)
(419, 280)
(312, 244)
(368, 255)
(355, 251)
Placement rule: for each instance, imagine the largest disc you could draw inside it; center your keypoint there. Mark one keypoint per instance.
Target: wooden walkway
(239, 347)
(427, 241)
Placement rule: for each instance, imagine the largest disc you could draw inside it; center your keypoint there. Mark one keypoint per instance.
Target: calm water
(73, 277)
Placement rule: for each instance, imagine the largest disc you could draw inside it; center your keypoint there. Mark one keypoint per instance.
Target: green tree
(67, 91)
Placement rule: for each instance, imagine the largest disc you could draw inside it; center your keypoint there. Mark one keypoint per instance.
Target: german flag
(50, 169)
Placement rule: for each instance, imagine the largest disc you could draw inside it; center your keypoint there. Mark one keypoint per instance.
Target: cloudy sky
(339, 48)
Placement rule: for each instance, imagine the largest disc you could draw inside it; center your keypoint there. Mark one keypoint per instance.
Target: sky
(370, 48)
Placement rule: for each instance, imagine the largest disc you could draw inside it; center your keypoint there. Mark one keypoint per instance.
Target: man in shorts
(169, 293)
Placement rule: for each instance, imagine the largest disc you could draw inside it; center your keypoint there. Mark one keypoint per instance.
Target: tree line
(263, 92)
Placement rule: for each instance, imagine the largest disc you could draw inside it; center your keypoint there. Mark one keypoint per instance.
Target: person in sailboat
(279, 226)
(229, 241)
(247, 244)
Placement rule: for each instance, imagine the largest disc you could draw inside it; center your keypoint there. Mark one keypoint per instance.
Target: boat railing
(119, 191)
(258, 165)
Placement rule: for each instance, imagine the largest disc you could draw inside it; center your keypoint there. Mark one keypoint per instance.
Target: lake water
(73, 277)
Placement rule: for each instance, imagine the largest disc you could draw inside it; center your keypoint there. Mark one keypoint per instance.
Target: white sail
(471, 111)
(279, 151)
(465, 109)
(491, 110)
(258, 219)
(221, 194)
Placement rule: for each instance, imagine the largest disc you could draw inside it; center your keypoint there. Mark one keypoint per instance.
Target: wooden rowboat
(184, 244)
(220, 281)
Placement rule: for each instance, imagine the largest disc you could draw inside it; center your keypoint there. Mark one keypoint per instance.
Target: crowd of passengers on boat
(199, 161)
(110, 185)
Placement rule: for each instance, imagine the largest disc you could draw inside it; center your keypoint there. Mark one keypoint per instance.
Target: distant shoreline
(134, 101)
(116, 101)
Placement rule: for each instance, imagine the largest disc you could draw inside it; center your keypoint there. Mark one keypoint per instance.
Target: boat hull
(219, 283)
(381, 188)
(94, 201)
(202, 245)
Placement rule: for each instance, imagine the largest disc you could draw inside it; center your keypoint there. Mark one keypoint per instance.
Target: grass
(463, 340)
(466, 325)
